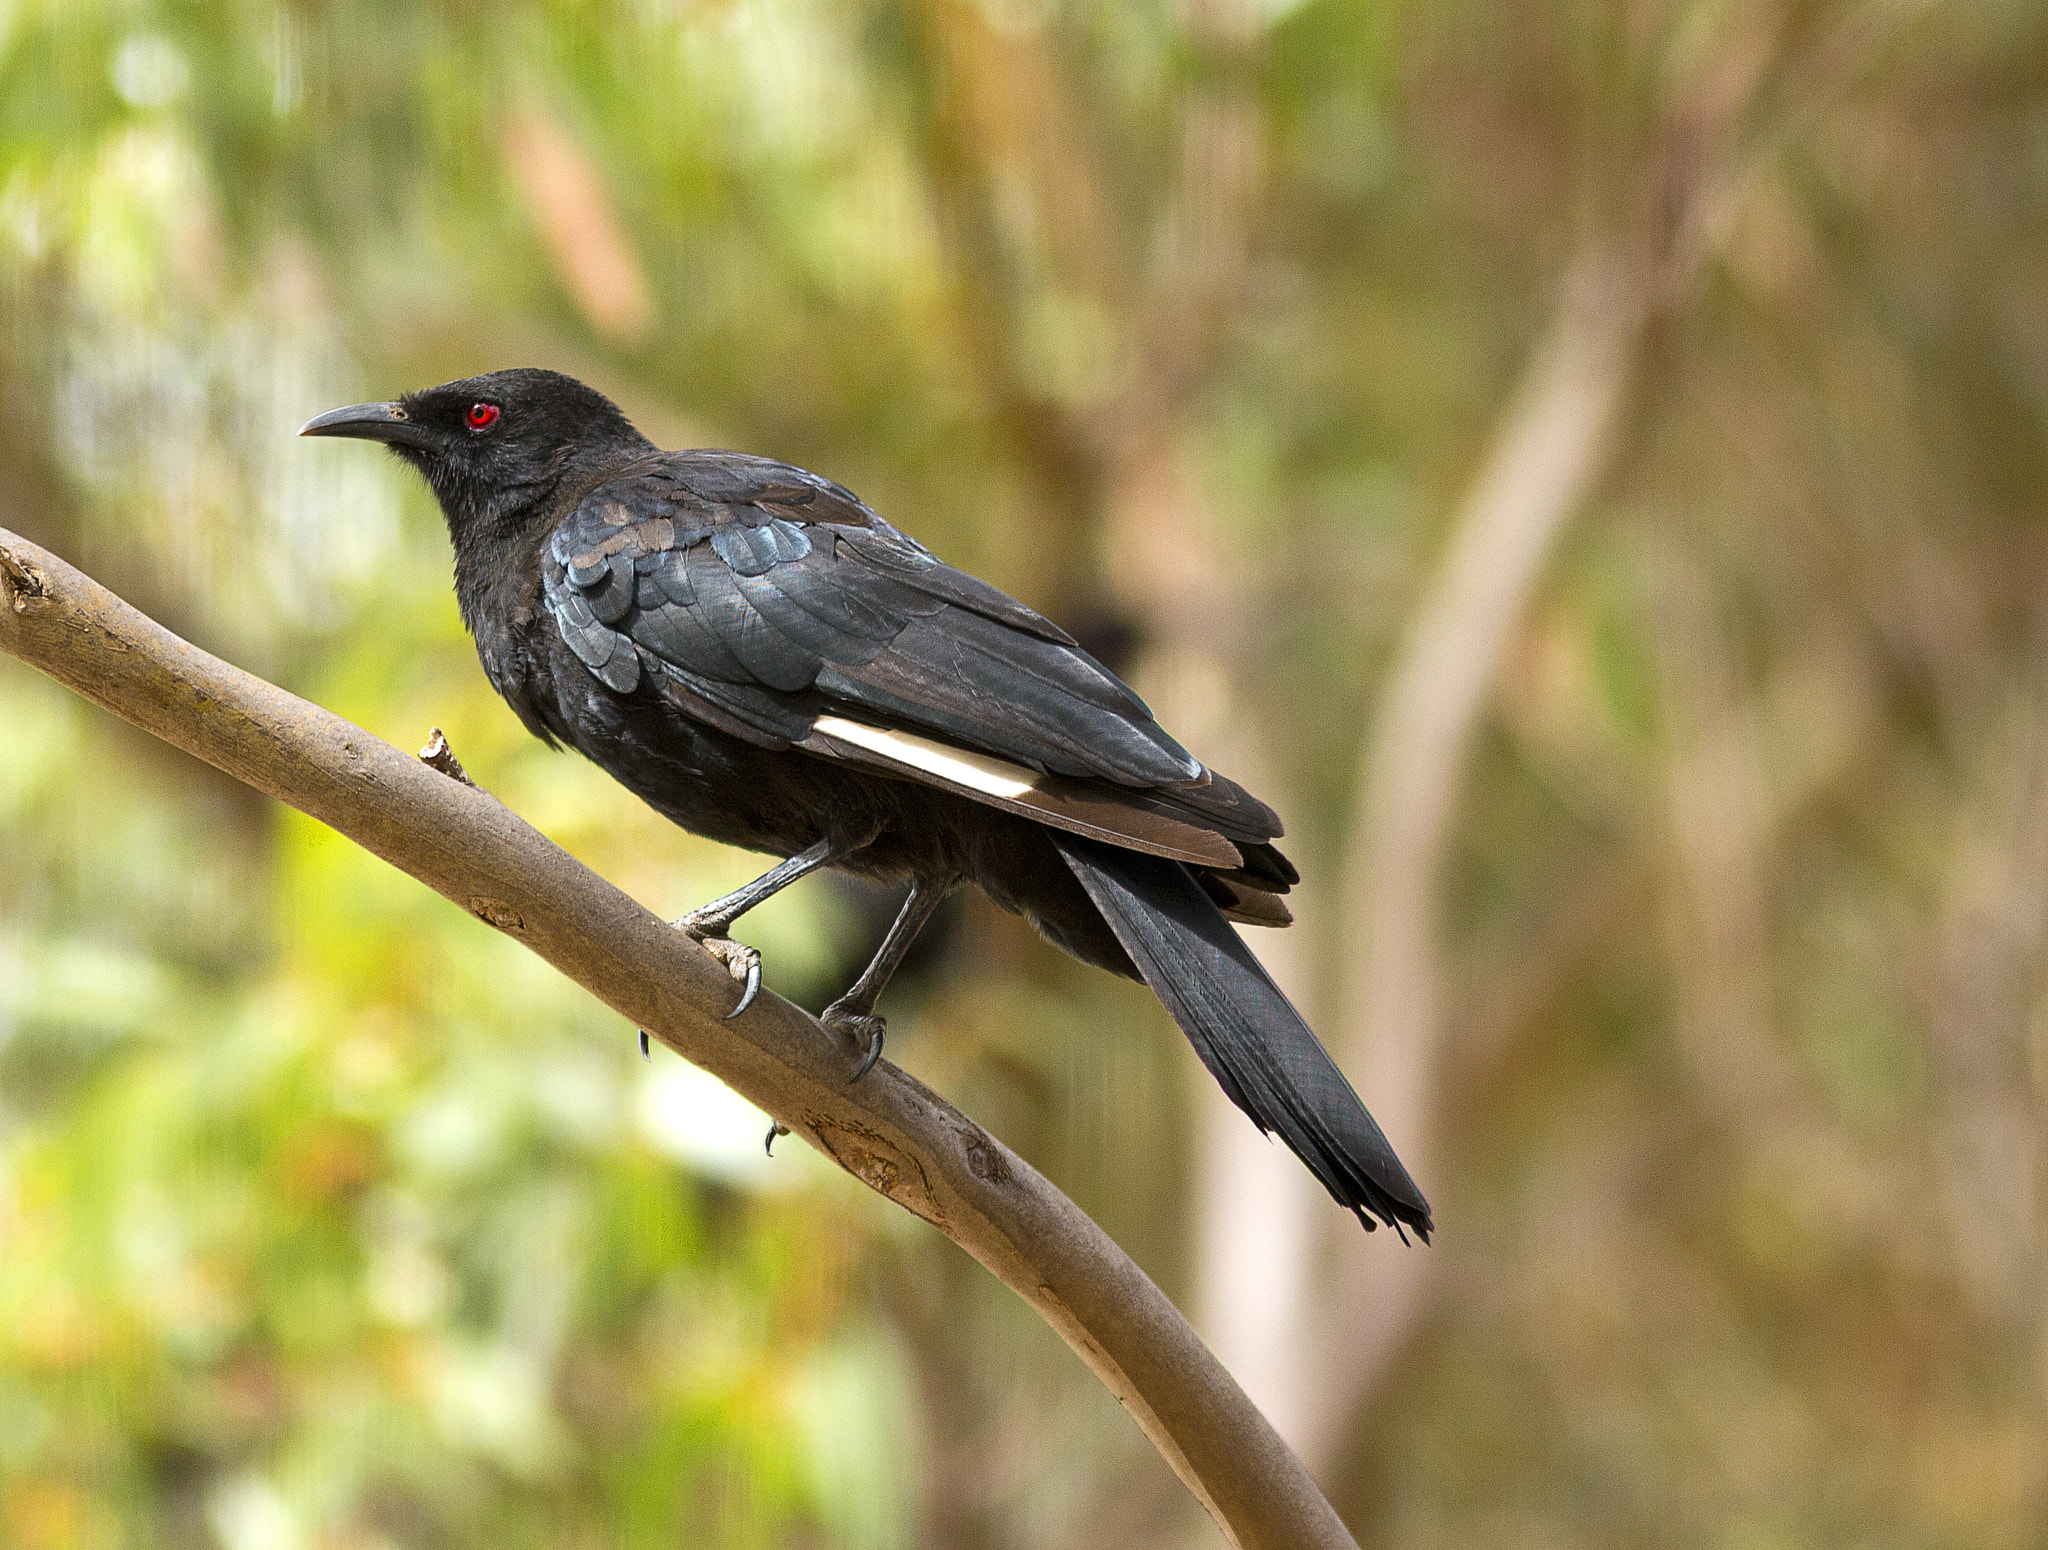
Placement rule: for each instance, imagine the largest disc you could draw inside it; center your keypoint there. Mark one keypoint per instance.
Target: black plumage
(767, 662)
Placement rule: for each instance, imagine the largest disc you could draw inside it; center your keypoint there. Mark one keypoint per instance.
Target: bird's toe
(742, 962)
(865, 1029)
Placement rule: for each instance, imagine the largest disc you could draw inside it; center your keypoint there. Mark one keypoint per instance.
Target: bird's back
(722, 603)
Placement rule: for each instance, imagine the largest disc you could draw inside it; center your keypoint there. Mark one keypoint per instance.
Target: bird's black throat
(494, 517)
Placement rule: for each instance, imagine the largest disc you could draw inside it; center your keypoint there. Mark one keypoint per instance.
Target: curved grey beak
(371, 422)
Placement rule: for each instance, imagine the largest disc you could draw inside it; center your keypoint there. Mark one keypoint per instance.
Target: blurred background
(1584, 463)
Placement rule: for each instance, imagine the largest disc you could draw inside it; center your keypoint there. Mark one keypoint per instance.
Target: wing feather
(773, 605)
(1064, 804)
(910, 562)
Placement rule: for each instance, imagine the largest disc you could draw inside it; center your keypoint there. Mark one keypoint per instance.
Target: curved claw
(753, 986)
(864, 1026)
(740, 960)
(774, 1130)
(868, 1060)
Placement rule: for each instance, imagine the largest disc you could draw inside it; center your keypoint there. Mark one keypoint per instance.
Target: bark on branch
(890, 1132)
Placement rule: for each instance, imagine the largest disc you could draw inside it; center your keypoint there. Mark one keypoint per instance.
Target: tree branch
(890, 1132)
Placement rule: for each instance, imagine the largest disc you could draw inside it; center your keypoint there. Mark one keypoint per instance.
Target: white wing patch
(977, 772)
(1094, 809)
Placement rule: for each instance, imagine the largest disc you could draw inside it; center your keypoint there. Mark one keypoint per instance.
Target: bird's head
(497, 446)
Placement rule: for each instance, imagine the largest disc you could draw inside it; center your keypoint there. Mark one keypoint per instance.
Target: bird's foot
(775, 1128)
(864, 1028)
(740, 960)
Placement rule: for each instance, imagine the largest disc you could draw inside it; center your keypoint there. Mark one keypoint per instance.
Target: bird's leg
(717, 917)
(709, 923)
(854, 1013)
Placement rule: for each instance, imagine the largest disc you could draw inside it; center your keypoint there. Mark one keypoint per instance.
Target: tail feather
(1265, 1057)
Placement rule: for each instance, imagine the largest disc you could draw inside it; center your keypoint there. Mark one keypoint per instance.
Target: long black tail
(1249, 1036)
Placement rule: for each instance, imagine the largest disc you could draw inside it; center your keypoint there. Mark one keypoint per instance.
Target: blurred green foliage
(329, 1219)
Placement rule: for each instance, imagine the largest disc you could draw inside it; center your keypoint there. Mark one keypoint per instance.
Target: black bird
(765, 661)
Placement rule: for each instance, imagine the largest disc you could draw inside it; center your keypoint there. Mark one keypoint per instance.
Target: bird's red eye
(482, 416)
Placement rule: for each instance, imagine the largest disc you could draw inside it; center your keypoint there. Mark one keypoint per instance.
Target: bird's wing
(772, 604)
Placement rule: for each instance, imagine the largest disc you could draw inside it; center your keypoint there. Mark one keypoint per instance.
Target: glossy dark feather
(863, 620)
(767, 662)
(1247, 1033)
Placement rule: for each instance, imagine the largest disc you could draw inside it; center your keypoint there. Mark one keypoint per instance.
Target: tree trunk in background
(1553, 446)
(1261, 1224)
(1549, 451)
